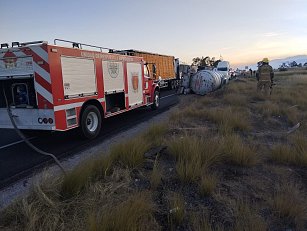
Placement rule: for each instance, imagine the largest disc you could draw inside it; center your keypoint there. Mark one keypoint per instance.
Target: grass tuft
(136, 213)
(194, 155)
(77, 179)
(130, 153)
(176, 209)
(207, 184)
(290, 205)
(238, 152)
(291, 153)
(154, 135)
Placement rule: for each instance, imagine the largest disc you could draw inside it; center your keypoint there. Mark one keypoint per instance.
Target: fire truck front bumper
(28, 118)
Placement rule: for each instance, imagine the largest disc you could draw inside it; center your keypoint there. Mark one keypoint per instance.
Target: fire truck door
(135, 86)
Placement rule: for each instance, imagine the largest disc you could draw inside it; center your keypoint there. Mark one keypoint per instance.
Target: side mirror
(154, 71)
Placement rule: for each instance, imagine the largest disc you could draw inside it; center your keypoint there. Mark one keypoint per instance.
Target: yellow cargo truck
(163, 68)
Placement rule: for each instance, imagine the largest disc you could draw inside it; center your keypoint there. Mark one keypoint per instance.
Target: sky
(241, 31)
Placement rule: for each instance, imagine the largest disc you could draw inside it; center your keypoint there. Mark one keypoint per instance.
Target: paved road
(17, 160)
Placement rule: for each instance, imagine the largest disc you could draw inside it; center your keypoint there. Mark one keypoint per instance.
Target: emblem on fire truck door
(135, 81)
(113, 69)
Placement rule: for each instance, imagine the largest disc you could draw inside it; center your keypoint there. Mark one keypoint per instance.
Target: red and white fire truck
(52, 87)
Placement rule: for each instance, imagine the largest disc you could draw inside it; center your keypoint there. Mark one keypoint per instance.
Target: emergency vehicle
(58, 88)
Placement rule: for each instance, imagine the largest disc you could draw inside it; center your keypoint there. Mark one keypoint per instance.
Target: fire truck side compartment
(9, 85)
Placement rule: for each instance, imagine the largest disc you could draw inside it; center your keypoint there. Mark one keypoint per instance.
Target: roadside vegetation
(230, 160)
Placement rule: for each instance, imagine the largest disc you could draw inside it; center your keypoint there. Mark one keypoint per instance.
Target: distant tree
(216, 62)
(205, 61)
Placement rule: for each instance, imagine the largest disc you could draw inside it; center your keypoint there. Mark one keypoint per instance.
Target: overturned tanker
(206, 81)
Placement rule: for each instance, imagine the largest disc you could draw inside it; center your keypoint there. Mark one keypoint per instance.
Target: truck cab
(223, 68)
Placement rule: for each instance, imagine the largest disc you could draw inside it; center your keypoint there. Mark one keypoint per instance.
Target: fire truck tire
(90, 122)
(156, 102)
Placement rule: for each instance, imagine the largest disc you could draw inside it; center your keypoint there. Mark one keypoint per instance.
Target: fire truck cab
(52, 87)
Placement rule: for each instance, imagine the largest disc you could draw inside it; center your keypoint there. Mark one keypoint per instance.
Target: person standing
(264, 75)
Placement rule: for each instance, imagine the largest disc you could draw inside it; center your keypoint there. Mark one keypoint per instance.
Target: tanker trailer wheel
(156, 102)
(90, 122)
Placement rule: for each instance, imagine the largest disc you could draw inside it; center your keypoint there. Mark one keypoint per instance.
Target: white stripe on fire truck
(43, 92)
(40, 52)
(41, 71)
(72, 105)
(67, 106)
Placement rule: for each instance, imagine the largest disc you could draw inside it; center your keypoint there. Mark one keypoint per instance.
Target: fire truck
(58, 88)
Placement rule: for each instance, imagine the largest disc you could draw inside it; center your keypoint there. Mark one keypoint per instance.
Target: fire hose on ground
(22, 136)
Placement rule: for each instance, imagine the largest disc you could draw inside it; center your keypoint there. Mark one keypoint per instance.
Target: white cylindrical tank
(185, 81)
(205, 81)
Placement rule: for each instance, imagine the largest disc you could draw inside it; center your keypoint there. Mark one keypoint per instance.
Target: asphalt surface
(17, 160)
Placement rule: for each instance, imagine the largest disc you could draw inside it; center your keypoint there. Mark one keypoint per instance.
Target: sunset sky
(242, 31)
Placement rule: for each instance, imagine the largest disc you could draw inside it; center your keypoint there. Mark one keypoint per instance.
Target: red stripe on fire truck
(43, 82)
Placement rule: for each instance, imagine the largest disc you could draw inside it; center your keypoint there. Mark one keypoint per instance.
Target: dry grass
(238, 152)
(229, 118)
(176, 209)
(189, 169)
(130, 153)
(194, 155)
(207, 184)
(202, 223)
(136, 213)
(187, 151)
(156, 175)
(295, 152)
(268, 109)
(235, 99)
(248, 219)
(289, 203)
(76, 180)
(155, 134)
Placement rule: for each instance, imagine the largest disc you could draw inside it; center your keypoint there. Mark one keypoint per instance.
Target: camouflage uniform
(265, 77)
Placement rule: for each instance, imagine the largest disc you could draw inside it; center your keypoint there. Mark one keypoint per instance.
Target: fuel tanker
(206, 81)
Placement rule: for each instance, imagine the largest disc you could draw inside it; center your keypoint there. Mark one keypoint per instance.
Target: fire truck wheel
(90, 122)
(156, 102)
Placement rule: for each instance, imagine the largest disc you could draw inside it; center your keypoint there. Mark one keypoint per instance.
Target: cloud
(227, 48)
(271, 34)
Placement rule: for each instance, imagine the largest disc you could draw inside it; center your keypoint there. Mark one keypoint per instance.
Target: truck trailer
(58, 88)
(163, 68)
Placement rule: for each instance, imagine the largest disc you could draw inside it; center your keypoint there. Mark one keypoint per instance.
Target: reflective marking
(40, 52)
(44, 74)
(72, 105)
(67, 106)
(43, 92)
(17, 142)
